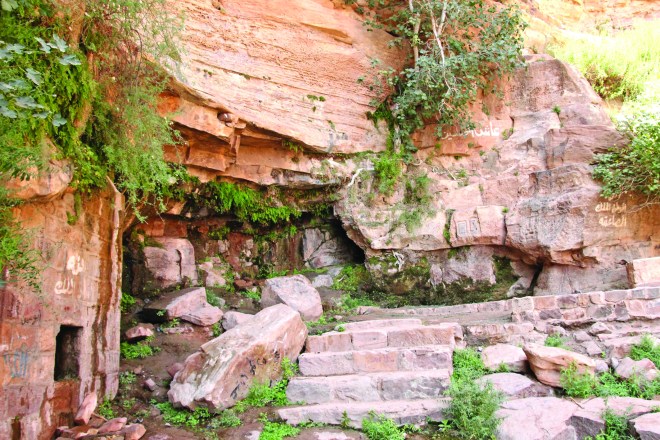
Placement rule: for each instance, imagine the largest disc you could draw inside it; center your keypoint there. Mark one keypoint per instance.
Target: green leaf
(5, 54)
(41, 115)
(59, 44)
(44, 46)
(34, 76)
(7, 112)
(6, 87)
(15, 48)
(9, 5)
(27, 102)
(58, 120)
(70, 60)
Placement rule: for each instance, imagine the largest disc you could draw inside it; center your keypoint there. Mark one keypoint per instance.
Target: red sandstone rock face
(79, 300)
(267, 66)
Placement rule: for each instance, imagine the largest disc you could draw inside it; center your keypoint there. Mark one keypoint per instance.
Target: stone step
(385, 335)
(400, 385)
(380, 323)
(337, 413)
(389, 359)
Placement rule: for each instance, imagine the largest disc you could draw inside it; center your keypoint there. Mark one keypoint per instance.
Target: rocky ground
(394, 362)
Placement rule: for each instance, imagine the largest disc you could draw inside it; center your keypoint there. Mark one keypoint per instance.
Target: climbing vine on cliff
(457, 49)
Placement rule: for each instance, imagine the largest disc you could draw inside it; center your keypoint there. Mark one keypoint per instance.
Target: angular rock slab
(175, 304)
(295, 291)
(403, 385)
(647, 426)
(536, 418)
(517, 386)
(505, 354)
(204, 315)
(643, 368)
(231, 319)
(401, 411)
(588, 421)
(547, 363)
(221, 372)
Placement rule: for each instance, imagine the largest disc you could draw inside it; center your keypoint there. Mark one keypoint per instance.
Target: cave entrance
(67, 353)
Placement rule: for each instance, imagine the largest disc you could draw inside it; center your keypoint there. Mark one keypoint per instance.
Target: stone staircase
(395, 367)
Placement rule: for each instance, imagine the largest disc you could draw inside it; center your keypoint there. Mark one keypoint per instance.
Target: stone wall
(60, 344)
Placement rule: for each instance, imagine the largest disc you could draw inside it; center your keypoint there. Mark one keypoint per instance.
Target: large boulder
(223, 370)
(628, 368)
(647, 426)
(510, 356)
(536, 418)
(295, 291)
(188, 304)
(548, 362)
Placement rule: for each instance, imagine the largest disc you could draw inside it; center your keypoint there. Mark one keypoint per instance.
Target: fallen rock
(232, 319)
(295, 291)
(221, 372)
(547, 363)
(150, 384)
(113, 425)
(517, 386)
(599, 327)
(620, 347)
(644, 368)
(536, 418)
(212, 276)
(174, 368)
(175, 304)
(588, 421)
(204, 315)
(647, 426)
(139, 332)
(512, 357)
(86, 409)
(134, 432)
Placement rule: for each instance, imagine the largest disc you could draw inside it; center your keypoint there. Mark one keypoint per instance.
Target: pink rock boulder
(548, 362)
(223, 370)
(296, 292)
(86, 409)
(139, 332)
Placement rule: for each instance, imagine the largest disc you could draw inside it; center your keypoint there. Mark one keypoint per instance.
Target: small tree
(458, 47)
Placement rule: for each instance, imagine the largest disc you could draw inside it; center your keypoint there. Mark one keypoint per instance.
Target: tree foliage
(634, 168)
(87, 97)
(458, 48)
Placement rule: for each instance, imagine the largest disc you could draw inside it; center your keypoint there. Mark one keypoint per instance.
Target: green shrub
(277, 431)
(136, 351)
(618, 65)
(634, 168)
(184, 417)
(646, 349)
(616, 427)
(127, 301)
(468, 365)
(105, 409)
(555, 341)
(262, 394)
(472, 408)
(351, 278)
(127, 378)
(379, 427)
(247, 204)
(577, 384)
